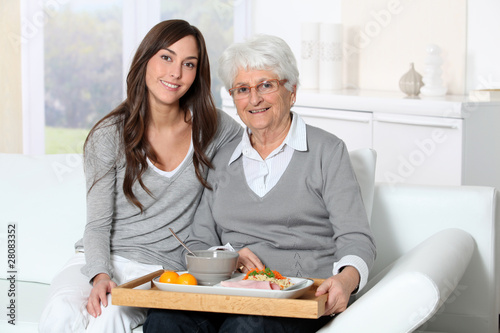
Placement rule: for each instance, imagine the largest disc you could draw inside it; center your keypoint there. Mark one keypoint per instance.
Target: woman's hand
(339, 288)
(102, 285)
(248, 260)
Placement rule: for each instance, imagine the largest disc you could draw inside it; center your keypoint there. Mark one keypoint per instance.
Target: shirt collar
(296, 138)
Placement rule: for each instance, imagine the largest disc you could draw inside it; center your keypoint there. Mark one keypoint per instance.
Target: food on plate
(267, 274)
(265, 285)
(188, 279)
(169, 277)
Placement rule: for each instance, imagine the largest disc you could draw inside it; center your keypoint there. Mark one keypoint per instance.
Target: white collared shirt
(263, 174)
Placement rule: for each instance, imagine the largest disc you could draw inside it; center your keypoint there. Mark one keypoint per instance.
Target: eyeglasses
(264, 87)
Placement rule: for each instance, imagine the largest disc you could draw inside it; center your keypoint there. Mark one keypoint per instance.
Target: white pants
(66, 307)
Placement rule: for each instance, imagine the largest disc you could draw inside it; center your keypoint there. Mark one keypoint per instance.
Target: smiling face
(268, 113)
(171, 72)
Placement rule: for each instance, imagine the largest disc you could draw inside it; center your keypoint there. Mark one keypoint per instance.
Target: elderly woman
(284, 195)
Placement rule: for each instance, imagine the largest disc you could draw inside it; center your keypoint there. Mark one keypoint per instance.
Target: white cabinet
(355, 128)
(441, 140)
(418, 149)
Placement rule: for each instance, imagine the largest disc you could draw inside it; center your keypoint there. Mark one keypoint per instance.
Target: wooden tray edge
(307, 306)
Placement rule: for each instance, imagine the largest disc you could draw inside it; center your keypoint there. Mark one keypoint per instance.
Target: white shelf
(449, 106)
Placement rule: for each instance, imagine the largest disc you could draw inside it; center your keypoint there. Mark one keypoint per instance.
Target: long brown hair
(133, 114)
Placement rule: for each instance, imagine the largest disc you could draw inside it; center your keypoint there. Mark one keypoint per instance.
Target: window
(83, 70)
(76, 55)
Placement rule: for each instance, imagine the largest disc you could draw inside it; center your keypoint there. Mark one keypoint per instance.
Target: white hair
(262, 52)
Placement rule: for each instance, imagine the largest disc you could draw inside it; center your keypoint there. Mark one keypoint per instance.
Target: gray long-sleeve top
(116, 226)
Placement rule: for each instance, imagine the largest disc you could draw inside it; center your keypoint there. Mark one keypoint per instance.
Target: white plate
(219, 290)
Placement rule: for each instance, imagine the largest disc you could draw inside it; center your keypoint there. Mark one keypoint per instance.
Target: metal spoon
(182, 243)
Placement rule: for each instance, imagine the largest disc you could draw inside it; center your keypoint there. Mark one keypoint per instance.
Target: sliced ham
(266, 285)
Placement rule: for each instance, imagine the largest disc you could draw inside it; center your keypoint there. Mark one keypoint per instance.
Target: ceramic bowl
(211, 267)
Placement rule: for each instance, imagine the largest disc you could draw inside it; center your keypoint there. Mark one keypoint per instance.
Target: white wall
(483, 44)
(283, 17)
(476, 64)
(385, 36)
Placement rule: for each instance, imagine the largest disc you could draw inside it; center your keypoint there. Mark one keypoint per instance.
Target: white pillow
(44, 197)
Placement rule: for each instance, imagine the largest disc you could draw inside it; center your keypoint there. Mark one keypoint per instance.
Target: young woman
(145, 166)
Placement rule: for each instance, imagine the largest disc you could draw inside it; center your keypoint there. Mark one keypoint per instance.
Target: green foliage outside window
(83, 74)
(83, 67)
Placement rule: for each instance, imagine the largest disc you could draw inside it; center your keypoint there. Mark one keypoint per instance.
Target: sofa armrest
(409, 292)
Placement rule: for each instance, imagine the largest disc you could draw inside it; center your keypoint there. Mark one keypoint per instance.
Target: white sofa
(44, 197)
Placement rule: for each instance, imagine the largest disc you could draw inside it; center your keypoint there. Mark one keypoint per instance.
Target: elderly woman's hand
(339, 288)
(248, 260)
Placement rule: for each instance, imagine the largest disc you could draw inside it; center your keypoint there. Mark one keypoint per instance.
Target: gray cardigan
(310, 219)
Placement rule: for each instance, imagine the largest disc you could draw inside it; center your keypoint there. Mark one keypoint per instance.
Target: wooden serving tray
(307, 306)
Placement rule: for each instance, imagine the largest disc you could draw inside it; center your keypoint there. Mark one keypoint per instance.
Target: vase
(433, 83)
(411, 82)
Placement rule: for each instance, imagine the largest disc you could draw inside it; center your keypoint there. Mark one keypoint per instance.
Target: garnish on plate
(268, 274)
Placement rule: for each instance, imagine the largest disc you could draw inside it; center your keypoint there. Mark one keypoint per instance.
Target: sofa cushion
(29, 300)
(363, 162)
(44, 197)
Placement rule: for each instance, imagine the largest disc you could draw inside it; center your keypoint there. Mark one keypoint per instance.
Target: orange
(169, 277)
(187, 278)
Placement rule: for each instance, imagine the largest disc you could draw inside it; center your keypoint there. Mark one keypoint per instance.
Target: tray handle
(143, 279)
